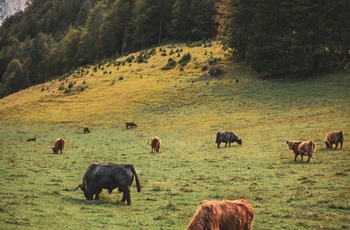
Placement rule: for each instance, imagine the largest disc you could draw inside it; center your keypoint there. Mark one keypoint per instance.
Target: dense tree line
(288, 37)
(279, 37)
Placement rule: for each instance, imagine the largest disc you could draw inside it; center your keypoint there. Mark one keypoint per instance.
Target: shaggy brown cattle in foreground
(130, 124)
(302, 148)
(223, 215)
(334, 138)
(31, 139)
(60, 144)
(155, 143)
(86, 129)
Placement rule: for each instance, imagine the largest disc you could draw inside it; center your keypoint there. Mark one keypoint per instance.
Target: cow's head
(55, 150)
(239, 141)
(328, 145)
(289, 143)
(82, 187)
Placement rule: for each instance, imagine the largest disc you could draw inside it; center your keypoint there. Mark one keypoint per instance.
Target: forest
(279, 38)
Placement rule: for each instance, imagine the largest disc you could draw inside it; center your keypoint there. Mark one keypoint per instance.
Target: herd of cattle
(226, 214)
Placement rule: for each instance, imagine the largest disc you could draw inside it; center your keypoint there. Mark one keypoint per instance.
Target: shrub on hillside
(185, 59)
(170, 65)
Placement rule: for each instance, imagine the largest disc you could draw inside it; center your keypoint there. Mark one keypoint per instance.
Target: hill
(185, 107)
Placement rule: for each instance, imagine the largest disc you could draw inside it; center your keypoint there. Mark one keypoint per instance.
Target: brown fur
(155, 143)
(31, 139)
(86, 129)
(334, 138)
(130, 124)
(223, 215)
(302, 148)
(60, 144)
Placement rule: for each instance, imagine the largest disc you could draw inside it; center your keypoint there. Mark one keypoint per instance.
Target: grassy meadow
(185, 110)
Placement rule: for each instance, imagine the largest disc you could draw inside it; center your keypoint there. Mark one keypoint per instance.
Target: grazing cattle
(223, 215)
(109, 176)
(334, 138)
(86, 129)
(155, 143)
(60, 144)
(227, 137)
(302, 148)
(31, 139)
(130, 124)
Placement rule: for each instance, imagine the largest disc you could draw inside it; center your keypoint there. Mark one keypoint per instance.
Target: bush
(185, 59)
(170, 65)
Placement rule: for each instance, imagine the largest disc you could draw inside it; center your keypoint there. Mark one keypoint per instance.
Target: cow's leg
(295, 157)
(126, 194)
(341, 145)
(308, 158)
(336, 145)
(128, 199)
(97, 194)
(218, 144)
(301, 156)
(225, 143)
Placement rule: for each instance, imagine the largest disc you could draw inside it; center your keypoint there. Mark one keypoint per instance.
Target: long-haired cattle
(86, 129)
(334, 138)
(227, 137)
(223, 215)
(155, 143)
(130, 124)
(302, 148)
(60, 144)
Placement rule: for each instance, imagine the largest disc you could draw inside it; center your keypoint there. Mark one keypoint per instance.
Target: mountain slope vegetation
(53, 38)
(185, 107)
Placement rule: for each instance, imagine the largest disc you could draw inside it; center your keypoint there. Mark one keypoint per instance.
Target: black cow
(109, 176)
(227, 137)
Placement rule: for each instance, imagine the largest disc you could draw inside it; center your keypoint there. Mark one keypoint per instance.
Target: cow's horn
(284, 138)
(79, 186)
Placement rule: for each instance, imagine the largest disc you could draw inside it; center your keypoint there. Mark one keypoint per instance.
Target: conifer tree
(115, 29)
(88, 50)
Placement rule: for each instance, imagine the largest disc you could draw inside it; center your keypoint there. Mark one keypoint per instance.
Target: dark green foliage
(277, 37)
(170, 65)
(14, 78)
(185, 59)
(283, 38)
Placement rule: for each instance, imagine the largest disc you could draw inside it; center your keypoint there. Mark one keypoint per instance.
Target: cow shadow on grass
(112, 199)
(83, 201)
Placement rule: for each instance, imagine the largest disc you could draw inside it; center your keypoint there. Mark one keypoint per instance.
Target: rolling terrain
(186, 108)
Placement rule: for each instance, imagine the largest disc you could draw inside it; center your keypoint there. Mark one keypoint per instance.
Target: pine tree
(88, 50)
(149, 20)
(182, 21)
(115, 29)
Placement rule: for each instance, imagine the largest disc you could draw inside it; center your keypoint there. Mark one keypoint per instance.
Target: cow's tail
(312, 147)
(136, 178)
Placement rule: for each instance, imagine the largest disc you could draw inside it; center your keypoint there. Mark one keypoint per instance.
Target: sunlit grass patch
(186, 113)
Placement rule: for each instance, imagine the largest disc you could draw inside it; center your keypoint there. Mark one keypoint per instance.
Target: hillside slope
(185, 109)
(120, 88)
(123, 89)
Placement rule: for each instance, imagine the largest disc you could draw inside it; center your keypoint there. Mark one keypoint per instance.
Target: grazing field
(186, 111)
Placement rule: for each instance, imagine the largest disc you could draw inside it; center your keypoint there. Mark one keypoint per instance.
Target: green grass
(37, 187)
